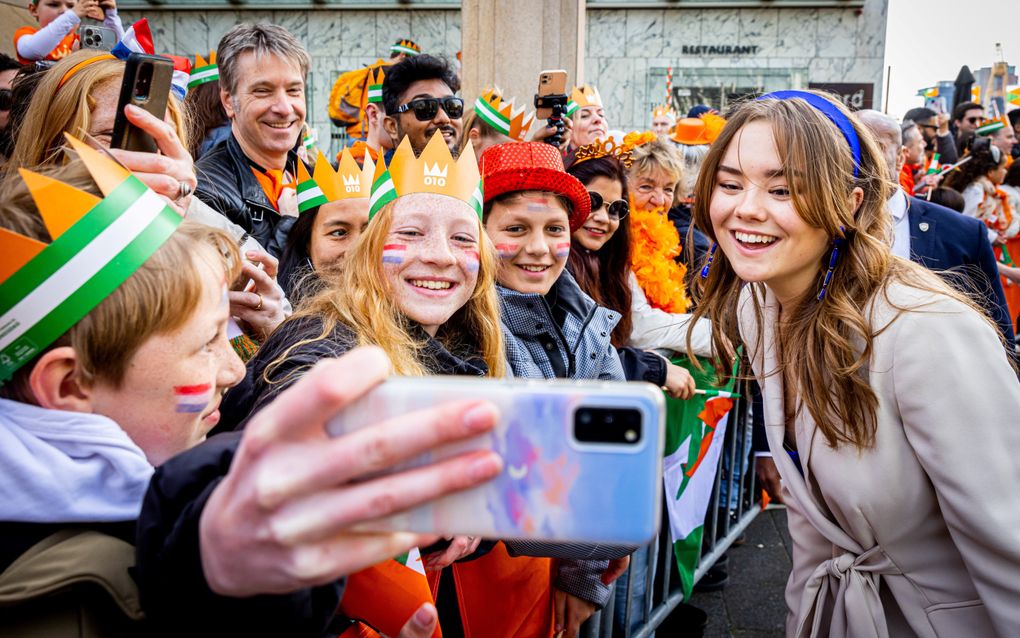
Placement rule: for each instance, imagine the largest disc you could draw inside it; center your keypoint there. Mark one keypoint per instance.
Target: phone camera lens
(584, 416)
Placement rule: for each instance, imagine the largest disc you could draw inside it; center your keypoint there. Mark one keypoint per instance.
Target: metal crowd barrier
(662, 587)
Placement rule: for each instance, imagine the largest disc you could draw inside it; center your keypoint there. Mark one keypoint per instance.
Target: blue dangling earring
(708, 264)
(833, 258)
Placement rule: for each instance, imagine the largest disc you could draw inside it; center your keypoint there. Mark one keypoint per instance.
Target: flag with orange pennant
(695, 431)
(1013, 96)
(385, 596)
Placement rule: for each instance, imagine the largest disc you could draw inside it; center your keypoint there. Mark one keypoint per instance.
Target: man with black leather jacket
(250, 176)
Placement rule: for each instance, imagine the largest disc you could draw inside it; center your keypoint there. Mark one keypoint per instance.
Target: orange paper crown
(434, 171)
(503, 115)
(663, 110)
(348, 181)
(582, 96)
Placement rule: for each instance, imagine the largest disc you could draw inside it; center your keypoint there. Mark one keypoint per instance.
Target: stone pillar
(509, 43)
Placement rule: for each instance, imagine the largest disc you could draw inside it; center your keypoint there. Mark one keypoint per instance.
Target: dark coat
(942, 239)
(226, 183)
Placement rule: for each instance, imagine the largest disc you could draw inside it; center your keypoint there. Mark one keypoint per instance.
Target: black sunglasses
(973, 120)
(6, 99)
(426, 108)
(617, 210)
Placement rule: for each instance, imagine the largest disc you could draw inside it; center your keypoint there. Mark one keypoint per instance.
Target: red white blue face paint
(473, 260)
(508, 251)
(563, 250)
(192, 398)
(393, 253)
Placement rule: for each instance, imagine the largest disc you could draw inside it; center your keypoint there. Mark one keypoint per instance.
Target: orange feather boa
(654, 245)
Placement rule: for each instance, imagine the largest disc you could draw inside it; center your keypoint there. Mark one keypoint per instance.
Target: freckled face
(754, 219)
(169, 397)
(337, 225)
(430, 258)
(532, 236)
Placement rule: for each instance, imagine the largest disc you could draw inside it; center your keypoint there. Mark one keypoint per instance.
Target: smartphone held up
(146, 85)
(582, 461)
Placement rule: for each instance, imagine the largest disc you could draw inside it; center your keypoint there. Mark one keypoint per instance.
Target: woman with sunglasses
(600, 262)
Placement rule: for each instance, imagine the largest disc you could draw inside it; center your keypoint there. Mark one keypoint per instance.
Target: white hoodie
(66, 467)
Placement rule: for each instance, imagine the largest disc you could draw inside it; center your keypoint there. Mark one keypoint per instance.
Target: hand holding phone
(282, 518)
(551, 102)
(166, 171)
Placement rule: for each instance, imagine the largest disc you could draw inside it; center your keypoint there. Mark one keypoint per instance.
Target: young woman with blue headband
(890, 408)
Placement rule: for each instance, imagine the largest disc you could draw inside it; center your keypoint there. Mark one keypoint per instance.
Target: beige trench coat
(919, 534)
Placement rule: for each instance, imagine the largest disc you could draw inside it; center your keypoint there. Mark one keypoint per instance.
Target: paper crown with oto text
(324, 185)
(434, 171)
(582, 96)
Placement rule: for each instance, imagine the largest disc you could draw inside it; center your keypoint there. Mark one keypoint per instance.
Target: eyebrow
(333, 223)
(775, 172)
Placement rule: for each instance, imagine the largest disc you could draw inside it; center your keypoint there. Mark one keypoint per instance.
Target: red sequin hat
(532, 166)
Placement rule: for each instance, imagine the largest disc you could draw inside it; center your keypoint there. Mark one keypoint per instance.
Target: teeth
(748, 238)
(534, 268)
(285, 125)
(431, 285)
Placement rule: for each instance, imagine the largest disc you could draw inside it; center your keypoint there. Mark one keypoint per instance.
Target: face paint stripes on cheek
(393, 253)
(508, 251)
(473, 260)
(192, 398)
(563, 250)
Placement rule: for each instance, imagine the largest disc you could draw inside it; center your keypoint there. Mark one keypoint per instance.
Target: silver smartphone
(582, 461)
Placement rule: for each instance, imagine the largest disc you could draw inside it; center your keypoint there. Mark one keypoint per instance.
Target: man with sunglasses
(934, 129)
(9, 68)
(967, 117)
(418, 96)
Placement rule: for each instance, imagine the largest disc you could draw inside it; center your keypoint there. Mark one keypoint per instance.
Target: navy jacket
(942, 239)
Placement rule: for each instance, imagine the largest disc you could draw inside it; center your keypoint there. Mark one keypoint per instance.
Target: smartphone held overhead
(581, 460)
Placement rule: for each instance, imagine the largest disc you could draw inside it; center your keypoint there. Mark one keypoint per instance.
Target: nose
(658, 198)
(749, 206)
(536, 245)
(231, 368)
(281, 103)
(600, 214)
(442, 118)
(437, 251)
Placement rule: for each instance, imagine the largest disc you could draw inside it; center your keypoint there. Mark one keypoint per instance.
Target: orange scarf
(273, 181)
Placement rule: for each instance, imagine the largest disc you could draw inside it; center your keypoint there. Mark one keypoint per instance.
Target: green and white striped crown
(405, 46)
(203, 71)
(45, 289)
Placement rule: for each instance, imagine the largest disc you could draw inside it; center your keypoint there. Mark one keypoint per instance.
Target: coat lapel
(922, 235)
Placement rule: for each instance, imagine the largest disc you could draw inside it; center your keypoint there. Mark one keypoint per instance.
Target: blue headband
(829, 110)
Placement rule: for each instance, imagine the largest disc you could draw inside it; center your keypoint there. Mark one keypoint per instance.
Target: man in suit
(937, 237)
(931, 235)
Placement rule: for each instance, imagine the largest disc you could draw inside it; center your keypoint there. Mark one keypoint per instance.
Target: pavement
(752, 604)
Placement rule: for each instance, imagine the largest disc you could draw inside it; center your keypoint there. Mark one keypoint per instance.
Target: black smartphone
(95, 36)
(146, 84)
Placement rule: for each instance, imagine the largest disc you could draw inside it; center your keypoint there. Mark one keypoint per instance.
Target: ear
(55, 381)
(33, 10)
(857, 195)
(392, 128)
(901, 159)
(228, 104)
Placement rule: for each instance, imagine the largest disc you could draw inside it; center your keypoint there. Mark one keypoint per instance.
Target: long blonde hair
(825, 346)
(360, 299)
(56, 109)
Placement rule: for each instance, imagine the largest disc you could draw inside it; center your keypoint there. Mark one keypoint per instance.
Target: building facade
(715, 51)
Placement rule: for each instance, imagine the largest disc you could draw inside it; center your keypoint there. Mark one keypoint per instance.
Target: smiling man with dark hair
(418, 96)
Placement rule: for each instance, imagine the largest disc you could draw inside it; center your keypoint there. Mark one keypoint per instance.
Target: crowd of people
(176, 329)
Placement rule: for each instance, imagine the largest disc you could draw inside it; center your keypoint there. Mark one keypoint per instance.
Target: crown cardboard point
(586, 95)
(107, 173)
(16, 251)
(435, 170)
(60, 205)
